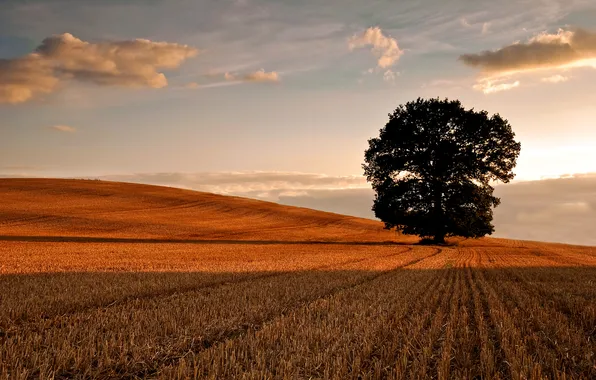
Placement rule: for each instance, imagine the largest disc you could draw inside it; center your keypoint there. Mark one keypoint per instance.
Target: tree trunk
(439, 237)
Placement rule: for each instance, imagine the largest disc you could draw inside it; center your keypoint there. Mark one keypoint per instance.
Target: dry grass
(107, 280)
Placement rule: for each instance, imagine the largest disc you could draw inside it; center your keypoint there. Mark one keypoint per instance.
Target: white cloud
(60, 58)
(555, 79)
(490, 86)
(385, 48)
(63, 128)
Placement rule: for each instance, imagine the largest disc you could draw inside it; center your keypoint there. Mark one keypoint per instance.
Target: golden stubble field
(109, 280)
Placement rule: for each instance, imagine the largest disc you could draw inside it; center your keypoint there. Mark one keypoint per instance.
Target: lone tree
(431, 166)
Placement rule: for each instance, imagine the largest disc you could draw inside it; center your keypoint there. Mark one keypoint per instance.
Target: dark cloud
(559, 210)
(354, 202)
(566, 47)
(552, 53)
(562, 210)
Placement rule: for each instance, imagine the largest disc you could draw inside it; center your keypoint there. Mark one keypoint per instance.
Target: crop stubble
(320, 312)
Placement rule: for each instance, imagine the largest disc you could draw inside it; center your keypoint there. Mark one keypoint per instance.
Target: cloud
(60, 58)
(385, 48)
(257, 76)
(63, 128)
(353, 202)
(262, 76)
(485, 27)
(192, 85)
(245, 183)
(566, 48)
(555, 79)
(563, 50)
(562, 209)
(195, 85)
(558, 210)
(23, 78)
(389, 76)
(490, 86)
(465, 23)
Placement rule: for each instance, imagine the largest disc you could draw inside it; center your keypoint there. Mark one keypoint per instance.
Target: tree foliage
(432, 165)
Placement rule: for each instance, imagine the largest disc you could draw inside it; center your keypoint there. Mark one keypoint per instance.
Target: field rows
(301, 311)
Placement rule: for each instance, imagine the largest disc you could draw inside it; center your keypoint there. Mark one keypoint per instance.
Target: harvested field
(110, 280)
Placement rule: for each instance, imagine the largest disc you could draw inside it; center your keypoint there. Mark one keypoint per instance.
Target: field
(111, 280)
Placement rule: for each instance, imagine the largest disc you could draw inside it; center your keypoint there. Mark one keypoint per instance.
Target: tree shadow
(48, 302)
(56, 293)
(94, 239)
(431, 242)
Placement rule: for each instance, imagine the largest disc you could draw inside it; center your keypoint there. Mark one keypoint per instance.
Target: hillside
(88, 208)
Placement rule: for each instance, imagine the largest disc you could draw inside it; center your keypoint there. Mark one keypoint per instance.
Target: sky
(277, 99)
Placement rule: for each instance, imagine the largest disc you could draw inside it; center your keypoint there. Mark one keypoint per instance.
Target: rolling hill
(90, 208)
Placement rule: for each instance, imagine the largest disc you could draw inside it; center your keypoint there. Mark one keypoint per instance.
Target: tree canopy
(432, 165)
